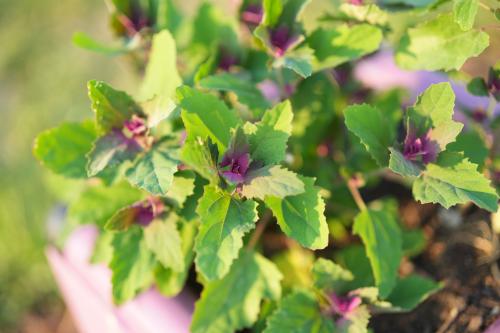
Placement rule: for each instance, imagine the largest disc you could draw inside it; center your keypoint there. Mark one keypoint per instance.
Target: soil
(463, 253)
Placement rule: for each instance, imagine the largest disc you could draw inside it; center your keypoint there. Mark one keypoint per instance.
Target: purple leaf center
(235, 166)
(226, 60)
(416, 148)
(281, 38)
(343, 305)
(136, 126)
(148, 210)
(252, 15)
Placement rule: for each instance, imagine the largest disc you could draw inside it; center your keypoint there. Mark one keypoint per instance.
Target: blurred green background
(42, 83)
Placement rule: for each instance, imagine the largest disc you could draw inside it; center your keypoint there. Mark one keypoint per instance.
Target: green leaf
(434, 109)
(163, 239)
(354, 259)
(112, 107)
(205, 116)
(161, 78)
(333, 47)
(355, 321)
(246, 90)
(86, 42)
(211, 26)
(233, 303)
(268, 138)
(110, 150)
(63, 149)
(414, 242)
(300, 64)
(182, 187)
(224, 222)
(399, 164)
(473, 147)
(97, 204)
(369, 13)
(412, 290)
(455, 183)
(439, 44)
(271, 181)
(124, 218)
(272, 12)
(103, 251)
(477, 87)
(299, 312)
(368, 124)
(170, 283)
(131, 265)
(301, 216)
(381, 236)
(154, 172)
(330, 277)
(202, 157)
(464, 13)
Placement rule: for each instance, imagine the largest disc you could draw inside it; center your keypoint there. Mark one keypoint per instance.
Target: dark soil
(463, 253)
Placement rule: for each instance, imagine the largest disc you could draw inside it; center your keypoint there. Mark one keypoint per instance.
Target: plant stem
(353, 188)
(259, 231)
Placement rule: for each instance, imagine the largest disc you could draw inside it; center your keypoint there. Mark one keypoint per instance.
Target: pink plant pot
(86, 290)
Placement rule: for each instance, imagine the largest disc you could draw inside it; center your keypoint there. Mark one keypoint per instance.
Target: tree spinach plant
(249, 143)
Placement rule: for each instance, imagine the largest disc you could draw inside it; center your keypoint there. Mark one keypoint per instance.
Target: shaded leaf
(112, 107)
(381, 236)
(111, 150)
(246, 90)
(131, 265)
(233, 302)
(333, 47)
(412, 290)
(368, 124)
(299, 312)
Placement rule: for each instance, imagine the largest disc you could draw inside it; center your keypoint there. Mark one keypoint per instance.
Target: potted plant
(258, 169)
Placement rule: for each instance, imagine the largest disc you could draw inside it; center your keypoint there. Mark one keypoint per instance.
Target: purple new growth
(136, 126)
(343, 305)
(226, 60)
(148, 210)
(252, 15)
(236, 165)
(281, 38)
(422, 147)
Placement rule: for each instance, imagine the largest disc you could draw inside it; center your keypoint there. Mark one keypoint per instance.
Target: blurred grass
(42, 83)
